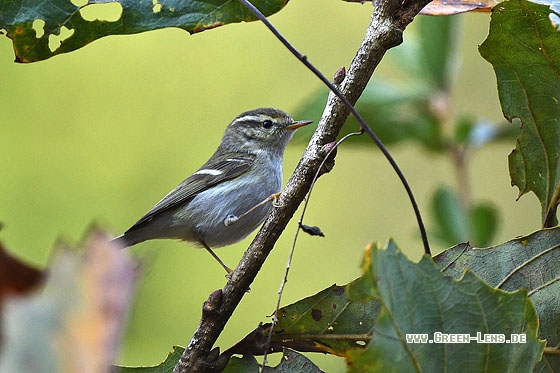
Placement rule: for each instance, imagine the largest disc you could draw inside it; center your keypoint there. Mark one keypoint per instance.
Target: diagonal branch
(384, 32)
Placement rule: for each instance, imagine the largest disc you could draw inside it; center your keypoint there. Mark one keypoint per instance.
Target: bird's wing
(211, 173)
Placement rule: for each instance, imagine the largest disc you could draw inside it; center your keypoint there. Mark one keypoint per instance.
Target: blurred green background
(101, 134)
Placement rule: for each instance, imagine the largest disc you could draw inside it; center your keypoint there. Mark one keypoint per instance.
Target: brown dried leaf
(74, 323)
(447, 8)
(16, 277)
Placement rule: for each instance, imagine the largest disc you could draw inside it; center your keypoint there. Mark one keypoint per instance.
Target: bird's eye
(267, 123)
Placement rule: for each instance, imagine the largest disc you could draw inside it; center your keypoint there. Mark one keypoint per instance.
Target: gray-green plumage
(245, 170)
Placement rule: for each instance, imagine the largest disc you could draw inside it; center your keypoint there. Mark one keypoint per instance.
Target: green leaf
(247, 364)
(395, 297)
(523, 48)
(530, 262)
(464, 128)
(438, 39)
(483, 223)
(165, 367)
(450, 217)
(292, 361)
(454, 223)
(35, 27)
(326, 322)
(417, 298)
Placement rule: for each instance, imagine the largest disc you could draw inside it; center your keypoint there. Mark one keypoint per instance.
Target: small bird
(231, 194)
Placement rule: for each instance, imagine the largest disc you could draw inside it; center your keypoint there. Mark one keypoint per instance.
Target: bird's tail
(121, 241)
(130, 238)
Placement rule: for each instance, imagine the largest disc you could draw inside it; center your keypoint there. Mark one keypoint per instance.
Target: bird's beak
(296, 125)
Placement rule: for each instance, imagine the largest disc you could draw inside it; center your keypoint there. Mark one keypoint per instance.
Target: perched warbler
(230, 195)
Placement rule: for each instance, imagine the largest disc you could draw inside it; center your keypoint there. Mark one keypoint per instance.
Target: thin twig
(296, 235)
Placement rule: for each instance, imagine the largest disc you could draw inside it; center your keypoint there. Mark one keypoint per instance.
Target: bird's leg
(224, 266)
(232, 219)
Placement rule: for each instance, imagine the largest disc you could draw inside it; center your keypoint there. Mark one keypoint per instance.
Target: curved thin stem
(296, 235)
(363, 125)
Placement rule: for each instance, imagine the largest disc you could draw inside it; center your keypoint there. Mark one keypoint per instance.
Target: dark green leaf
(463, 130)
(454, 224)
(530, 262)
(450, 217)
(246, 364)
(293, 362)
(35, 27)
(483, 224)
(438, 43)
(523, 48)
(165, 367)
(326, 322)
(417, 298)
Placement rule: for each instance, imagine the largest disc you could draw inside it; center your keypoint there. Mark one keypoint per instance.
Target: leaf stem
(550, 219)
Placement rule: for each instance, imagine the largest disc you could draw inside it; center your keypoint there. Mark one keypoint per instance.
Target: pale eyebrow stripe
(251, 118)
(208, 172)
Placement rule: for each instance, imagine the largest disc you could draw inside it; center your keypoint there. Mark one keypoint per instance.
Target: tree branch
(384, 32)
